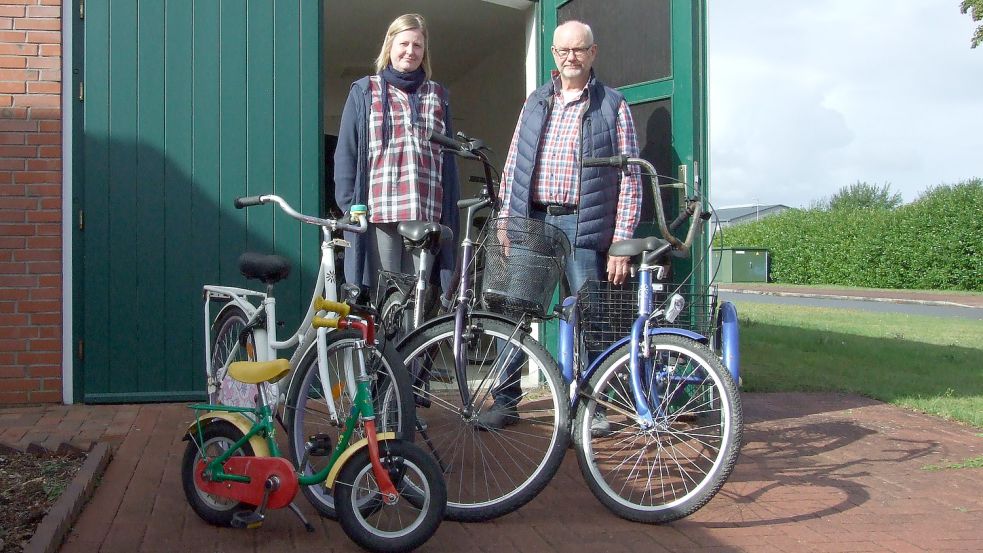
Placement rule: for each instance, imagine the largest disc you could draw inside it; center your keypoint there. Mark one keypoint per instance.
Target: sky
(809, 97)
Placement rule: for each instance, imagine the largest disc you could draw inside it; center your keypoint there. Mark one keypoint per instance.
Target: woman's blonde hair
(400, 24)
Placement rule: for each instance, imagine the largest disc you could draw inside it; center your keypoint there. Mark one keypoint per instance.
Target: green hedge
(935, 242)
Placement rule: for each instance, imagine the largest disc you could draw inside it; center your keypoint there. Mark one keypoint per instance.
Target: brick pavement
(819, 472)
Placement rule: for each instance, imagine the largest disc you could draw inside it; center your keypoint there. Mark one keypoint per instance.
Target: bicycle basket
(524, 260)
(607, 311)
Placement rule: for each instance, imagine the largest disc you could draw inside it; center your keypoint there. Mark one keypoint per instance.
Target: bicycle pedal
(319, 445)
(247, 519)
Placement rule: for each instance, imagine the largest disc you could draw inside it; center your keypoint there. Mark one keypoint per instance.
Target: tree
(975, 10)
(861, 195)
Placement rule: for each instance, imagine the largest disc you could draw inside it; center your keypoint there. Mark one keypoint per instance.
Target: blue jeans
(582, 265)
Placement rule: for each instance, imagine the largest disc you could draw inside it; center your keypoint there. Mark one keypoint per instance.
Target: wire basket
(524, 260)
(606, 311)
(388, 280)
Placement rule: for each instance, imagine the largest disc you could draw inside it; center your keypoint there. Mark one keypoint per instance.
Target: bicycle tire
(226, 348)
(306, 412)
(412, 519)
(396, 315)
(216, 438)
(488, 473)
(675, 468)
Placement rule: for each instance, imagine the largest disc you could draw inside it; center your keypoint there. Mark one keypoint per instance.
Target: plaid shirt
(556, 179)
(404, 178)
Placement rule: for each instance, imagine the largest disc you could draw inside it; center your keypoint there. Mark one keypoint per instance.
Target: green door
(182, 107)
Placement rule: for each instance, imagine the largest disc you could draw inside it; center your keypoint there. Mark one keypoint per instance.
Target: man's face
(573, 52)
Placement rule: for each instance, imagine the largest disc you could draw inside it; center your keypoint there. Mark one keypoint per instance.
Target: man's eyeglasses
(577, 52)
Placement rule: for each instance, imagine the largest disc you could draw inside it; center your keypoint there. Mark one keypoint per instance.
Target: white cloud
(808, 98)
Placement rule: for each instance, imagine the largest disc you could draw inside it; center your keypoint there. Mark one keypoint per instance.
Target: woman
(384, 158)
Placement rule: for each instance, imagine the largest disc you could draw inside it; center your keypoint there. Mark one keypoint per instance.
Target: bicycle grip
(247, 201)
(342, 309)
(445, 141)
(613, 161)
(321, 322)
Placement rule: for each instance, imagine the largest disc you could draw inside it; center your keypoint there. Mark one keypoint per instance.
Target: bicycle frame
(640, 362)
(261, 311)
(263, 425)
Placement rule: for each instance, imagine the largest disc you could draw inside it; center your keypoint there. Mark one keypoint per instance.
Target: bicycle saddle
(268, 269)
(636, 246)
(418, 231)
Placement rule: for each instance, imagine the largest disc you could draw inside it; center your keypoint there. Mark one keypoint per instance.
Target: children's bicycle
(389, 495)
(245, 329)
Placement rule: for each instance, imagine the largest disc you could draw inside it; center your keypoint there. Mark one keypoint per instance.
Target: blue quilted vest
(599, 186)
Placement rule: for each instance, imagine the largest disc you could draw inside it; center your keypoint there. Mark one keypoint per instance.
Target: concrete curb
(62, 515)
(845, 297)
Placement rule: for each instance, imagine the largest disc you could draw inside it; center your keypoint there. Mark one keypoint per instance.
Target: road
(932, 310)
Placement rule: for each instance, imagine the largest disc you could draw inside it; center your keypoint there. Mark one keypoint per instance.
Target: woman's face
(406, 54)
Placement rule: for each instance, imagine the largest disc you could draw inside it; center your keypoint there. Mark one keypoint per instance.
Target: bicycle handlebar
(693, 209)
(470, 148)
(357, 220)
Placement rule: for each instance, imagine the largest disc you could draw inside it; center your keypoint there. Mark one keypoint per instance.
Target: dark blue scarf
(408, 83)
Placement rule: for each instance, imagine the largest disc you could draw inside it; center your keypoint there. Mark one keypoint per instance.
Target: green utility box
(740, 265)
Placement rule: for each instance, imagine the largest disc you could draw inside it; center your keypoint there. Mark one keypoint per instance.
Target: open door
(653, 51)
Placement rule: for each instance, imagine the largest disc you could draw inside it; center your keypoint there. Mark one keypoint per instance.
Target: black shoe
(600, 426)
(498, 416)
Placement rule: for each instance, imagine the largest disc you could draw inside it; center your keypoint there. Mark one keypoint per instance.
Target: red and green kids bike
(389, 494)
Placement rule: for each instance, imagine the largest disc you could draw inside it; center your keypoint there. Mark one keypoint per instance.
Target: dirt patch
(30, 484)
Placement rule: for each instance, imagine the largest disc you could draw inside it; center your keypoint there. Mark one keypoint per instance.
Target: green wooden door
(653, 51)
(184, 106)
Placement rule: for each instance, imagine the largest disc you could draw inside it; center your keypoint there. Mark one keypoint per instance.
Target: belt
(555, 209)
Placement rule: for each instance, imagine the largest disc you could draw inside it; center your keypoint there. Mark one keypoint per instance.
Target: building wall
(30, 201)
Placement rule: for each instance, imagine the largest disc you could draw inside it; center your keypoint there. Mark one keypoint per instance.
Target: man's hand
(618, 268)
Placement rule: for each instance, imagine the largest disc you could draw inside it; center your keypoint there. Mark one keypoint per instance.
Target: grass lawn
(930, 364)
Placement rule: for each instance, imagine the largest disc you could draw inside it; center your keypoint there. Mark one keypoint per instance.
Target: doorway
(478, 50)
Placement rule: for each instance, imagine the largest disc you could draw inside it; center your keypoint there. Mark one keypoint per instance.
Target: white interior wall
(488, 70)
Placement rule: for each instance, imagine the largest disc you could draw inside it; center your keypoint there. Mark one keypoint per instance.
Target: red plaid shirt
(404, 178)
(556, 179)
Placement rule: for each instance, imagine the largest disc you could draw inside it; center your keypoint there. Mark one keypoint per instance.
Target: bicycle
(245, 329)
(457, 360)
(389, 495)
(658, 420)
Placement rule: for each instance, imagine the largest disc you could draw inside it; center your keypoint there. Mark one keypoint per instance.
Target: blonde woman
(385, 160)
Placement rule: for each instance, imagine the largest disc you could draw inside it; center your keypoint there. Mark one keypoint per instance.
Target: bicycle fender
(260, 447)
(685, 333)
(730, 348)
(352, 450)
(450, 316)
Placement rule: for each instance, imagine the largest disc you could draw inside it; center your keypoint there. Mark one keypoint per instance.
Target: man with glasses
(569, 118)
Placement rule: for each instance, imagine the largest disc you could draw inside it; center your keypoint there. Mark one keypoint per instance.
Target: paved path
(940, 297)
(818, 472)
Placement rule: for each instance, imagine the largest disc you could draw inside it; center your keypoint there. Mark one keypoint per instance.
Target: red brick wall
(30, 201)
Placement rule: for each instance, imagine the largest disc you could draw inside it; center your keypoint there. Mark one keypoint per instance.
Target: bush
(934, 242)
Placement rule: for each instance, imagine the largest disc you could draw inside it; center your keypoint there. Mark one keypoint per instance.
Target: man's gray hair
(590, 33)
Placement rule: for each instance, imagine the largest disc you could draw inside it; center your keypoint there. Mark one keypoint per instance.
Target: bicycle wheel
(669, 471)
(307, 412)
(400, 526)
(489, 472)
(227, 348)
(216, 438)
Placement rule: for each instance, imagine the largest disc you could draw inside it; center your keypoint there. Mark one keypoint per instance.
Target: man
(572, 117)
